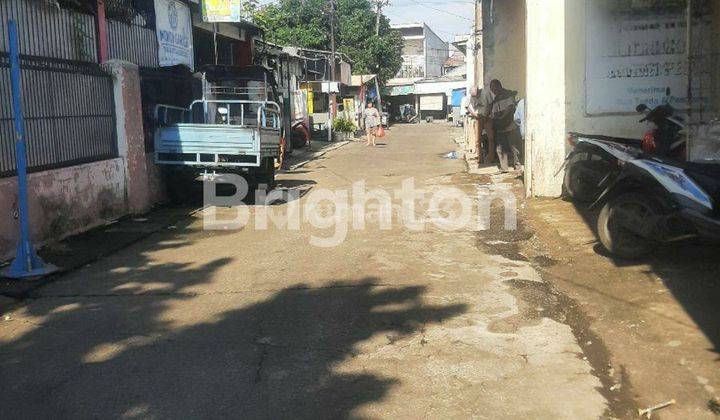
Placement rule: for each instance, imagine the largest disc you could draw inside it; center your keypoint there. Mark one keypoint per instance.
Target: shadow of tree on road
(151, 340)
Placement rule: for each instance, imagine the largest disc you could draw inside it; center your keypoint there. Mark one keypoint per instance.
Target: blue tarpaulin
(457, 96)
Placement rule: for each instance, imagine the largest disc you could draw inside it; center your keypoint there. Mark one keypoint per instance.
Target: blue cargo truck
(234, 127)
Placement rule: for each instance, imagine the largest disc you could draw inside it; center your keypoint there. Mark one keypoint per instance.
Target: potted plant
(343, 129)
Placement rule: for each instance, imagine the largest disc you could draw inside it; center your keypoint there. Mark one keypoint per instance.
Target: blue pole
(26, 263)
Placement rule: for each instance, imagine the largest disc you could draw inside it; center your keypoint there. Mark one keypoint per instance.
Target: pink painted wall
(63, 202)
(71, 200)
(131, 140)
(155, 183)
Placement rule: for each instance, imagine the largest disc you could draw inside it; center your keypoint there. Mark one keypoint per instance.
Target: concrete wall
(575, 51)
(540, 46)
(413, 56)
(412, 66)
(436, 53)
(413, 46)
(70, 200)
(63, 201)
(546, 90)
(503, 43)
(131, 139)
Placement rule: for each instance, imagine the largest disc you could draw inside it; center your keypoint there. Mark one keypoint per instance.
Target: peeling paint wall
(63, 202)
(131, 140)
(546, 91)
(74, 199)
(503, 43)
(155, 182)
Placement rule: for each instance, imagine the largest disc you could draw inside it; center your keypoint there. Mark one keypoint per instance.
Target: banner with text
(174, 33)
(222, 10)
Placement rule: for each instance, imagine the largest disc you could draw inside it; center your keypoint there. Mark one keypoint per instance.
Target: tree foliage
(306, 23)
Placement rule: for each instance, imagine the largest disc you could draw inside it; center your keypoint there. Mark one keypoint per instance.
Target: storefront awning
(399, 90)
(361, 79)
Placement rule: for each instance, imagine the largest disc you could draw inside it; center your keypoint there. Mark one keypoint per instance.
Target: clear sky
(446, 18)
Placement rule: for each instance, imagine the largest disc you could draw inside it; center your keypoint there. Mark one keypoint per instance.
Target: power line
(441, 10)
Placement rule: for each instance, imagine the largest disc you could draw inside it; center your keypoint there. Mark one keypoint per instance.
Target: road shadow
(133, 338)
(287, 190)
(689, 269)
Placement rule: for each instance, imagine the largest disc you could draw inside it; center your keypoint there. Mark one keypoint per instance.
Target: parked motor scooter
(653, 200)
(408, 114)
(645, 199)
(666, 137)
(589, 166)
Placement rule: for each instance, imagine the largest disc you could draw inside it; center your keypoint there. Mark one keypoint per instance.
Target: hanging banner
(432, 103)
(173, 26)
(222, 10)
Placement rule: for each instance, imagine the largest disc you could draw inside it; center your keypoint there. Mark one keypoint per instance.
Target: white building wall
(578, 120)
(557, 100)
(546, 91)
(436, 53)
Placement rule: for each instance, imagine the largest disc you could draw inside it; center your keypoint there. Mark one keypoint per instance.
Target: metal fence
(48, 31)
(134, 42)
(69, 113)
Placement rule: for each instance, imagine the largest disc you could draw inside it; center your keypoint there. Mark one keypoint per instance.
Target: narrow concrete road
(390, 323)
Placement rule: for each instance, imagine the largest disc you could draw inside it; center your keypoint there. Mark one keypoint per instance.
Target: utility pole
(379, 4)
(331, 96)
(478, 38)
(332, 39)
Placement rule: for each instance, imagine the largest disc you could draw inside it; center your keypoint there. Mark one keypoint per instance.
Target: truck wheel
(619, 220)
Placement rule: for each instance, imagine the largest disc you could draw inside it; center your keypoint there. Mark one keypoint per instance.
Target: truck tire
(623, 210)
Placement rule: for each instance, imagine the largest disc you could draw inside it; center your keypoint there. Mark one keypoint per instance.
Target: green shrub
(342, 125)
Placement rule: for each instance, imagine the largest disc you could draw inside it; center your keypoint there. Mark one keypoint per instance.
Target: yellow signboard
(222, 10)
(310, 98)
(349, 108)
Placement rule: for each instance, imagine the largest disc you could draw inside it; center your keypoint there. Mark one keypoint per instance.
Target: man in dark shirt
(507, 135)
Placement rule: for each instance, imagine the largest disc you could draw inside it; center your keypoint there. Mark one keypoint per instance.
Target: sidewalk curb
(317, 155)
(19, 290)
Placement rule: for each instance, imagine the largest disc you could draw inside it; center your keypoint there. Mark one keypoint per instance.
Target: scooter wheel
(617, 219)
(582, 178)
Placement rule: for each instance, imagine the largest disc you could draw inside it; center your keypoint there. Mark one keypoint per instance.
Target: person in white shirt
(520, 117)
(479, 103)
(372, 121)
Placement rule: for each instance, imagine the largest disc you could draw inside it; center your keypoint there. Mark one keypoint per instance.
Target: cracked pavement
(261, 324)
